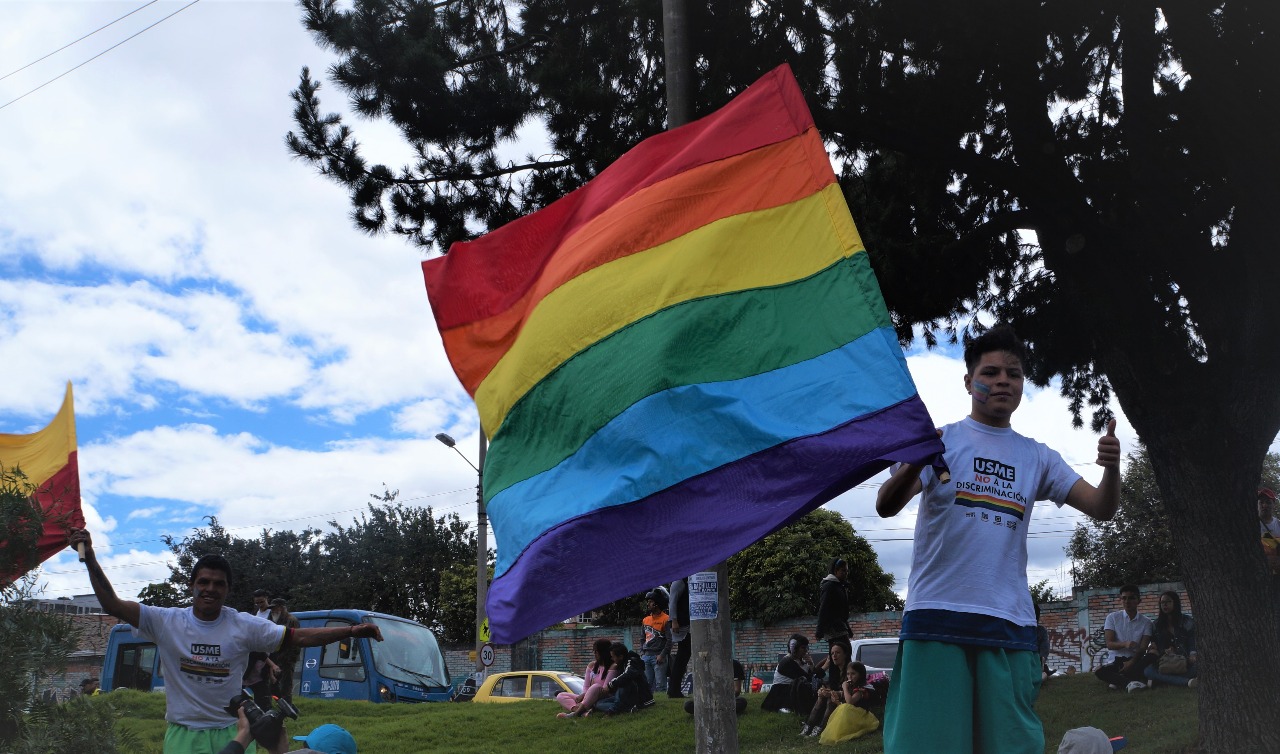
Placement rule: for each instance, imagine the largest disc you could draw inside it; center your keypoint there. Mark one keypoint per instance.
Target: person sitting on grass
(597, 676)
(1174, 638)
(830, 695)
(1128, 634)
(851, 719)
(631, 689)
(739, 679)
(792, 689)
(856, 690)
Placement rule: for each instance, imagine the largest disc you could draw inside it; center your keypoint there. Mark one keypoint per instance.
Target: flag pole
(715, 721)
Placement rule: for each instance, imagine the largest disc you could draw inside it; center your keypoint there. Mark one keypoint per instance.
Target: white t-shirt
(204, 661)
(1272, 527)
(970, 552)
(1126, 631)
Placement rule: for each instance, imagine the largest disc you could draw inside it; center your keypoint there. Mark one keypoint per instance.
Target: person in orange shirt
(657, 642)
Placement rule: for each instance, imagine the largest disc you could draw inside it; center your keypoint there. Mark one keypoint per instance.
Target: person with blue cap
(328, 739)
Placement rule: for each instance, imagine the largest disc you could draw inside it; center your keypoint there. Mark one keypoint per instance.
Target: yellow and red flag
(48, 460)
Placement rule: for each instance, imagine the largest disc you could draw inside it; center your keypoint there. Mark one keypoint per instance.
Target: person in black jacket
(679, 612)
(833, 605)
(632, 691)
(792, 689)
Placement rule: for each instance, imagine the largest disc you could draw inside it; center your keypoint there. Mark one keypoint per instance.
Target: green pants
(179, 739)
(963, 700)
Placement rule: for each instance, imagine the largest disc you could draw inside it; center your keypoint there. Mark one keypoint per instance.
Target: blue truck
(407, 666)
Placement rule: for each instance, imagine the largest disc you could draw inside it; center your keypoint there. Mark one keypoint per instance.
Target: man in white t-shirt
(968, 667)
(205, 648)
(1127, 633)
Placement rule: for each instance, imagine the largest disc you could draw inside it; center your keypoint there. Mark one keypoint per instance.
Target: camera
(263, 726)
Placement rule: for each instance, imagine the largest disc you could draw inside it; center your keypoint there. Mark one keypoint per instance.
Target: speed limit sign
(486, 655)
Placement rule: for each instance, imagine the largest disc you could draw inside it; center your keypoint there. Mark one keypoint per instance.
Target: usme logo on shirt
(993, 468)
(206, 650)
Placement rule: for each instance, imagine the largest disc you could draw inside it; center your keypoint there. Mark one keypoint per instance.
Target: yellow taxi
(518, 685)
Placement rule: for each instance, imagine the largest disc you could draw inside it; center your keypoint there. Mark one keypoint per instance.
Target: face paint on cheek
(981, 391)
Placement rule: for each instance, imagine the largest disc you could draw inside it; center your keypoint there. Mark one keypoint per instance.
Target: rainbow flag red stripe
(674, 360)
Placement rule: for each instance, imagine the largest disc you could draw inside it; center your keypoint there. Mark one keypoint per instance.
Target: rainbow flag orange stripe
(48, 459)
(690, 348)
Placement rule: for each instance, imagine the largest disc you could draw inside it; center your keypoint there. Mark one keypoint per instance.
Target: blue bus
(407, 666)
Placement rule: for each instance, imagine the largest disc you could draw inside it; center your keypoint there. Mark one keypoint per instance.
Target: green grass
(1162, 721)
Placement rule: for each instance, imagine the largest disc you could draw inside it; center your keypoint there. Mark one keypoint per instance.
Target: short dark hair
(999, 338)
(837, 564)
(1130, 588)
(213, 562)
(261, 593)
(618, 648)
(88, 681)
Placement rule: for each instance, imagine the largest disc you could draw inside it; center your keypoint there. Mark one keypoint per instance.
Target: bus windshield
(408, 653)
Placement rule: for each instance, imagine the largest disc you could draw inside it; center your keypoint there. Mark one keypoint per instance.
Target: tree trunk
(1207, 457)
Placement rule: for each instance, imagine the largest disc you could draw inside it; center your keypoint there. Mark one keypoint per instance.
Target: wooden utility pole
(482, 560)
(715, 720)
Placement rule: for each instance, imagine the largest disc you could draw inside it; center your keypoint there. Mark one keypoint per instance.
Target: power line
(81, 39)
(95, 57)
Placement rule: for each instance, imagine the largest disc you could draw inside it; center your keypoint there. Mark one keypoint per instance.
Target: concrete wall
(1075, 636)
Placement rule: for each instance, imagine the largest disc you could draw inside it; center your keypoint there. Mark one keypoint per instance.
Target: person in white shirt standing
(1128, 634)
(968, 667)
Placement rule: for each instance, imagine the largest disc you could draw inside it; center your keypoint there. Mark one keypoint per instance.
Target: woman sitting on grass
(792, 690)
(598, 674)
(1175, 637)
(856, 690)
(851, 719)
(630, 690)
(831, 694)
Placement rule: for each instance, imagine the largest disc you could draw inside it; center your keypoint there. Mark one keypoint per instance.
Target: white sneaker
(804, 730)
(1136, 686)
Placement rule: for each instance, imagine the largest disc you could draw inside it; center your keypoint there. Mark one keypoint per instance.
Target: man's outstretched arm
(318, 637)
(129, 612)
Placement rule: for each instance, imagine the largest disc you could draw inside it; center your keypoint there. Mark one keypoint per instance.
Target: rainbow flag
(48, 459)
(681, 356)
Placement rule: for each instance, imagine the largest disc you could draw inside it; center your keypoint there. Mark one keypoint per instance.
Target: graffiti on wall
(1077, 648)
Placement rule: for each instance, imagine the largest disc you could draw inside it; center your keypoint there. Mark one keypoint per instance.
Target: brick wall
(86, 661)
(1074, 626)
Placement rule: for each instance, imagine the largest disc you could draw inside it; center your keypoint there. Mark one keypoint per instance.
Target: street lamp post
(482, 540)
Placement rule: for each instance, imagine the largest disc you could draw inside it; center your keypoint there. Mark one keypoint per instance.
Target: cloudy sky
(238, 350)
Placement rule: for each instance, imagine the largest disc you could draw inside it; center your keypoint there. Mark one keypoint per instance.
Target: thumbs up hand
(1109, 448)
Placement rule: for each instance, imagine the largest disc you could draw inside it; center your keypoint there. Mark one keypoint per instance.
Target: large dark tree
(1100, 174)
